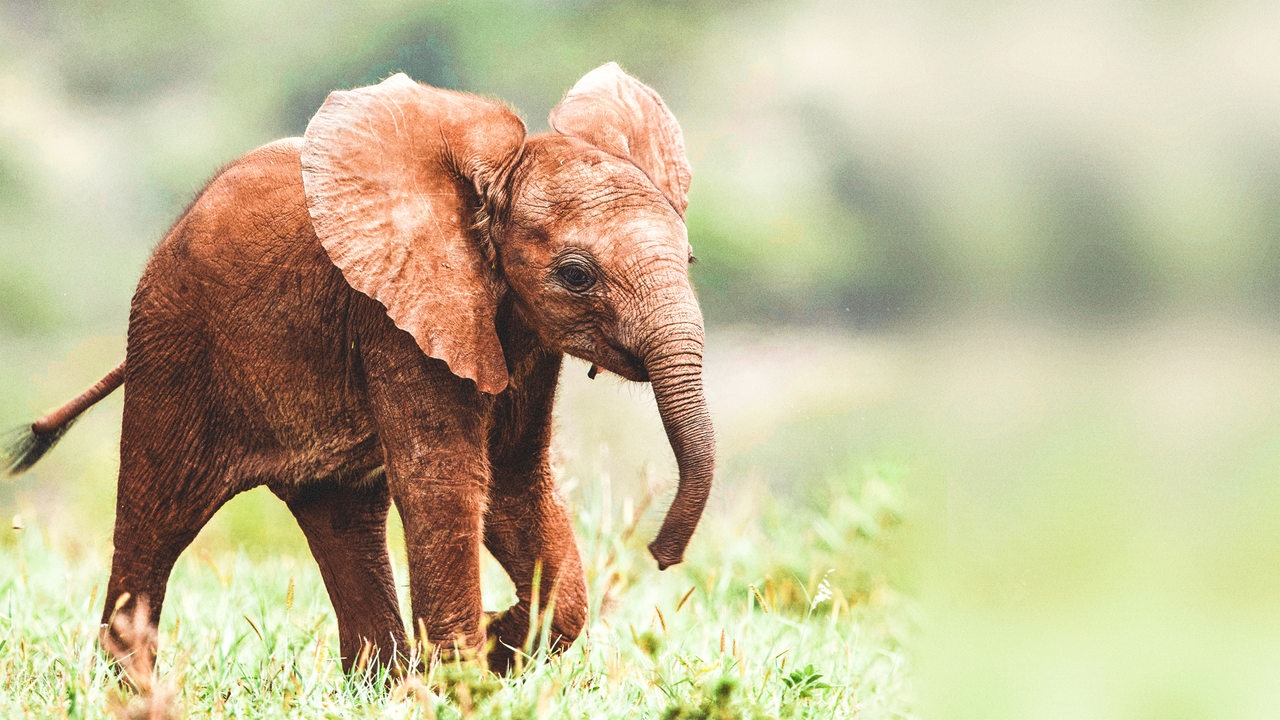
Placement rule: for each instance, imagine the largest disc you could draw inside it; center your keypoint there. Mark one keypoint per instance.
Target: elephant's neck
(529, 361)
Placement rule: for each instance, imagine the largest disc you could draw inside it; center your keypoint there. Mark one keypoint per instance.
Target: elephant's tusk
(591, 373)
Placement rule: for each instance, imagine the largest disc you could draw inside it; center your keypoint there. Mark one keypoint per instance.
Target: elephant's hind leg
(346, 528)
(158, 513)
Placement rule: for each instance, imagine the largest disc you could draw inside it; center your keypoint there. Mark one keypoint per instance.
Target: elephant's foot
(510, 644)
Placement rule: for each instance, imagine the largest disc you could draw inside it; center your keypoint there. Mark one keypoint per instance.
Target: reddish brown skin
(253, 359)
(229, 386)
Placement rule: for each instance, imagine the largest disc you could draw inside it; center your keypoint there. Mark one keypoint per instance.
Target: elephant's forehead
(567, 179)
(651, 233)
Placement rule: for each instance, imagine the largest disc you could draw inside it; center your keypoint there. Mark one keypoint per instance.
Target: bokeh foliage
(853, 165)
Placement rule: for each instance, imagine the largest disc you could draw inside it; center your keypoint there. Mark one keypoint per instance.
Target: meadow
(991, 294)
(795, 600)
(977, 520)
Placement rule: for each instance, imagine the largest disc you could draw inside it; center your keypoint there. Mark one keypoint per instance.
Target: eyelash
(563, 271)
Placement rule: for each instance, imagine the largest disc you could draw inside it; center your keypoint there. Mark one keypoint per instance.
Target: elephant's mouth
(619, 361)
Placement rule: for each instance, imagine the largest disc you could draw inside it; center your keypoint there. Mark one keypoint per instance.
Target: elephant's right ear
(628, 119)
(391, 173)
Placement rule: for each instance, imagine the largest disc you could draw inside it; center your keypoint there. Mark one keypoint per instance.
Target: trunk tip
(666, 558)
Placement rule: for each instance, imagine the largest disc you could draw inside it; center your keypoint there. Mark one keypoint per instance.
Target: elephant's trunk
(674, 364)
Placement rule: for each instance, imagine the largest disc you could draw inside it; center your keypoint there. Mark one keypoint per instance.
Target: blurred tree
(851, 166)
(1092, 260)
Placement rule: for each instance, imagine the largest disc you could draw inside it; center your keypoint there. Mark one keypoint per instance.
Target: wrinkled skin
(267, 346)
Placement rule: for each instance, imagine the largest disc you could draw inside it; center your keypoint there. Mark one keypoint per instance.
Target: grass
(1011, 521)
(737, 632)
(794, 600)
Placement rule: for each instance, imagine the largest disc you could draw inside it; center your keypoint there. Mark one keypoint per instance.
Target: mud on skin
(375, 314)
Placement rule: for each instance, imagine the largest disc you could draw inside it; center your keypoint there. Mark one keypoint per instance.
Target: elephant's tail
(27, 445)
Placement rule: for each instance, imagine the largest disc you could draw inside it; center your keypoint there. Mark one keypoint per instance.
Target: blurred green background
(1027, 254)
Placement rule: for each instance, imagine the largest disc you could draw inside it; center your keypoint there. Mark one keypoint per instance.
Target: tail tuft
(23, 447)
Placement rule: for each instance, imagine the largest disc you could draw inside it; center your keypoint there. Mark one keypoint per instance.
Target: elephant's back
(243, 259)
(245, 246)
(250, 216)
(241, 301)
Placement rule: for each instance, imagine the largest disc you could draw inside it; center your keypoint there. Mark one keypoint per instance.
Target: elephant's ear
(392, 173)
(626, 118)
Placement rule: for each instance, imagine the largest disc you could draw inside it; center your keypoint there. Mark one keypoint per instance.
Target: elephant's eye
(576, 277)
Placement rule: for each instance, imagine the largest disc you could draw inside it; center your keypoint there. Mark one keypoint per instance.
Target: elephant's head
(435, 204)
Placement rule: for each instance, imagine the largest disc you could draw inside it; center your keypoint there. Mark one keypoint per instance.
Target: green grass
(1013, 522)
(794, 600)
(746, 629)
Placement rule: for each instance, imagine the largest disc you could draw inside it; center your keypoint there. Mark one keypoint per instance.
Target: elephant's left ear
(391, 174)
(626, 118)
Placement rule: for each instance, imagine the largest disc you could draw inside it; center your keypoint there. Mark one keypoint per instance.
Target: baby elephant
(378, 311)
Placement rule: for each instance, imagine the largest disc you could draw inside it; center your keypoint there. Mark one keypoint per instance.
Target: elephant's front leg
(529, 532)
(527, 527)
(434, 429)
(441, 506)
